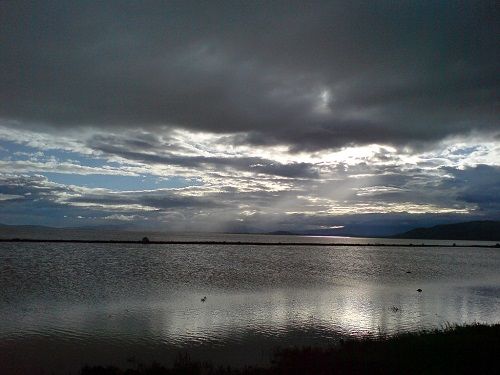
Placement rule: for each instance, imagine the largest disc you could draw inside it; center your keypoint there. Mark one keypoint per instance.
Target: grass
(471, 349)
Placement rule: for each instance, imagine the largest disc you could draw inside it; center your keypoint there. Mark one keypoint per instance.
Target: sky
(343, 116)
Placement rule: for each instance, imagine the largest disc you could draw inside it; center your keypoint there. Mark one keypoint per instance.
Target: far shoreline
(243, 243)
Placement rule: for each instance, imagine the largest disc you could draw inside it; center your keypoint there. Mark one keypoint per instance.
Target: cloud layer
(249, 115)
(182, 180)
(312, 76)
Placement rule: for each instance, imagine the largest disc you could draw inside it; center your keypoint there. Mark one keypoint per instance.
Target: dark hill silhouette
(472, 230)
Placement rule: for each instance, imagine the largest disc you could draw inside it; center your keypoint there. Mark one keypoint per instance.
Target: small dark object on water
(145, 240)
(408, 271)
(454, 244)
(204, 299)
(419, 290)
(394, 309)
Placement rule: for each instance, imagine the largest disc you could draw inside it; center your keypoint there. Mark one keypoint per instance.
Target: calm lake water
(64, 305)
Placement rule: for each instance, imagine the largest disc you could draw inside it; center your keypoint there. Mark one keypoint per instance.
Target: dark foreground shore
(472, 349)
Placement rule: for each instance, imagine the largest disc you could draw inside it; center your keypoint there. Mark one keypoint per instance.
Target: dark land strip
(148, 242)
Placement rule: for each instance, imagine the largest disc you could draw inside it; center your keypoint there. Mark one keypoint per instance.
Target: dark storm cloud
(30, 187)
(153, 152)
(37, 201)
(314, 75)
(479, 185)
(156, 199)
(34, 199)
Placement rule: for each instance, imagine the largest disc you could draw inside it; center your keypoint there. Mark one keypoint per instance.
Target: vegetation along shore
(471, 349)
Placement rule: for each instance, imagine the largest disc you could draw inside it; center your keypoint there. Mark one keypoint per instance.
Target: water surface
(63, 305)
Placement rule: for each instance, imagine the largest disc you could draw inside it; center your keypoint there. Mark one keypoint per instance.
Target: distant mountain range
(472, 230)
(486, 230)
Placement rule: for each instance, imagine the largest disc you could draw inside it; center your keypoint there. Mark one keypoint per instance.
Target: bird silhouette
(204, 299)
(419, 290)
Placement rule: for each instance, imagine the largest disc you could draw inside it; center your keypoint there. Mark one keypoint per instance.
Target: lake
(63, 305)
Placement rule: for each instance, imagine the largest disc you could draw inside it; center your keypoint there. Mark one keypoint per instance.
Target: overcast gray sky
(249, 115)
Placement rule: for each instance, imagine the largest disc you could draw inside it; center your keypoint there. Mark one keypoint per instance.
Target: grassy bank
(473, 349)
